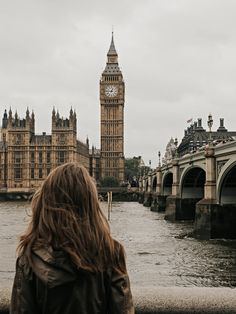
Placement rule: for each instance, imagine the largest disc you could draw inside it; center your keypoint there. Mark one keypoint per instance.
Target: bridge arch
(167, 182)
(227, 185)
(192, 183)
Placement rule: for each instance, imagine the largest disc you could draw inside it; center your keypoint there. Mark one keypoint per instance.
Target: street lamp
(210, 123)
(150, 163)
(176, 146)
(159, 159)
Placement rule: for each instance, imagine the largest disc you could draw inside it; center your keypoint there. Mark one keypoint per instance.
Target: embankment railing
(170, 300)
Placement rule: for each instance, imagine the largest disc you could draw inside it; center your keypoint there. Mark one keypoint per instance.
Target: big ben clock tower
(112, 96)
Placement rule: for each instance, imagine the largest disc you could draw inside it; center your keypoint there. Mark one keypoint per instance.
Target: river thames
(159, 253)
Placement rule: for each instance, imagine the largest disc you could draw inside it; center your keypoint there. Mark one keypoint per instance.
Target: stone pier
(147, 199)
(180, 209)
(214, 220)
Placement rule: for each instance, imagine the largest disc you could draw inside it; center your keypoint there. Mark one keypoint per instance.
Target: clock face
(111, 90)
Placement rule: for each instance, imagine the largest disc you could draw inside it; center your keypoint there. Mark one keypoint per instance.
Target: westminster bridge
(199, 186)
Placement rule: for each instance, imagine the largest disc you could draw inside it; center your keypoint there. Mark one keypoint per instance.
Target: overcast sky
(178, 59)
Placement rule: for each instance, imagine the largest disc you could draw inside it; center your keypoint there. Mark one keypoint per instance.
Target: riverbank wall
(119, 194)
(169, 300)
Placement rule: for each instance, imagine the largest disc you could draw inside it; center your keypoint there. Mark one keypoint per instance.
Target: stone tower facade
(112, 97)
(64, 138)
(27, 158)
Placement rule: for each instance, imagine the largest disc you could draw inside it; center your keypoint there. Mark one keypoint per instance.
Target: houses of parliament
(26, 158)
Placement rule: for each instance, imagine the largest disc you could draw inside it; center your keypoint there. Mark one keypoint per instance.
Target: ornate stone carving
(180, 171)
(170, 152)
(220, 164)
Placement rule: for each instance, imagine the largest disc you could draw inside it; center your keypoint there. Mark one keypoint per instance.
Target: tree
(132, 168)
(109, 182)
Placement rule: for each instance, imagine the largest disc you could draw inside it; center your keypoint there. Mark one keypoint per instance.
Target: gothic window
(32, 157)
(40, 173)
(61, 139)
(18, 173)
(61, 156)
(18, 139)
(48, 157)
(48, 171)
(32, 173)
(40, 157)
(17, 157)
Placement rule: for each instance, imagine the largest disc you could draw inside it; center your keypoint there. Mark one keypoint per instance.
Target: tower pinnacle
(112, 66)
(112, 49)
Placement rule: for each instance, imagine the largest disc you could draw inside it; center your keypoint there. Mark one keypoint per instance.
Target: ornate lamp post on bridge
(159, 159)
(159, 175)
(210, 123)
(176, 147)
(150, 164)
(207, 208)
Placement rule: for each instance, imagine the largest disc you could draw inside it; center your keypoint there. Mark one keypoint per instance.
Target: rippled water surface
(158, 252)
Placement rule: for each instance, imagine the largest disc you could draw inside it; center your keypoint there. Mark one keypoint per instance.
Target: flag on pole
(190, 120)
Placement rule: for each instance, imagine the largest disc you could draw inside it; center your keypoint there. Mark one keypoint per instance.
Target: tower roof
(112, 49)
(112, 66)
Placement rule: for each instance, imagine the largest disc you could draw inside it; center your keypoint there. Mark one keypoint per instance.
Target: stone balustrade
(170, 300)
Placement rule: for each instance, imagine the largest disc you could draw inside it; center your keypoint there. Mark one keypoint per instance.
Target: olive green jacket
(53, 286)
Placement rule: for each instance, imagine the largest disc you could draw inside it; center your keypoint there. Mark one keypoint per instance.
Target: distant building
(196, 137)
(26, 158)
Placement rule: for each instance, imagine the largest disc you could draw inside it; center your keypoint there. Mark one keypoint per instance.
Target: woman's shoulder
(52, 267)
(23, 267)
(22, 261)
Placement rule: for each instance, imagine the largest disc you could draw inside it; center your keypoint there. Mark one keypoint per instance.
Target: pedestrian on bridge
(67, 261)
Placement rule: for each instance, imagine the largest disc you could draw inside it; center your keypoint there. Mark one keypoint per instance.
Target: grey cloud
(177, 57)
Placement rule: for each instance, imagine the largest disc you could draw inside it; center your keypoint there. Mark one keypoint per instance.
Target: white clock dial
(111, 90)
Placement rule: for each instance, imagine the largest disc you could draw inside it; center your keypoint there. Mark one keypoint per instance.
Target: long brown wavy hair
(66, 215)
